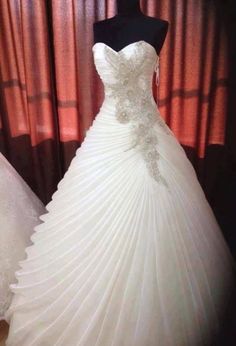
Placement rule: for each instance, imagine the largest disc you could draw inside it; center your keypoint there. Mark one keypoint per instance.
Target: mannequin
(130, 25)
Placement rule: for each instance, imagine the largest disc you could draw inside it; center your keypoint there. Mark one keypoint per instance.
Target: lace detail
(135, 105)
(19, 213)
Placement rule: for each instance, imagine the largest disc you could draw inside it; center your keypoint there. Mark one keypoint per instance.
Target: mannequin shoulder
(146, 20)
(165, 23)
(161, 22)
(161, 26)
(101, 22)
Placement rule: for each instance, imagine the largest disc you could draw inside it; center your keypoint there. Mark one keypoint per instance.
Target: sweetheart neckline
(128, 45)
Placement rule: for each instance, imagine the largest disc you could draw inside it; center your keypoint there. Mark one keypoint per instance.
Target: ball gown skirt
(129, 252)
(20, 209)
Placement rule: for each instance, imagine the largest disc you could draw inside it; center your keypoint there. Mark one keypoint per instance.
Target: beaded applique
(135, 106)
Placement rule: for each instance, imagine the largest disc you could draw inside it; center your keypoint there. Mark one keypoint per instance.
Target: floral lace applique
(135, 105)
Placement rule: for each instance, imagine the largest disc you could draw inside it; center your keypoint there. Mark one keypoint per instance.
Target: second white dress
(19, 214)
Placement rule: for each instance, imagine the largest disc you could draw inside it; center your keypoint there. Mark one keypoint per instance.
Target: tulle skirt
(19, 214)
(120, 259)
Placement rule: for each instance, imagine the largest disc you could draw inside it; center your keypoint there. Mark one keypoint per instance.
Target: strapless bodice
(128, 71)
(127, 78)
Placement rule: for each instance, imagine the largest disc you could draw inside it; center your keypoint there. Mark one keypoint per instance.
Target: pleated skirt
(119, 259)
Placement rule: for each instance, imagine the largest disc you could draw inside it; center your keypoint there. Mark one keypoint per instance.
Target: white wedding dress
(19, 214)
(129, 252)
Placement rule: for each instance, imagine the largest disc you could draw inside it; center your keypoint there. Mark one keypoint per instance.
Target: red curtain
(50, 91)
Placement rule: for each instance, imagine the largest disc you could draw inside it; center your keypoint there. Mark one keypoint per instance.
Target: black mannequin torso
(130, 25)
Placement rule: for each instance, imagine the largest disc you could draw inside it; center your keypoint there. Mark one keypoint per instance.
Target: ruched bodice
(130, 68)
(127, 78)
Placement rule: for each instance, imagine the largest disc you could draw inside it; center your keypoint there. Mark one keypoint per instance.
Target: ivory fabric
(129, 252)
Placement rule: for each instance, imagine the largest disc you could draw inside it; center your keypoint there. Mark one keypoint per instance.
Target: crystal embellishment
(135, 106)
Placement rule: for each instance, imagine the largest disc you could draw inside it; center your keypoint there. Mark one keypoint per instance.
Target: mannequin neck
(128, 8)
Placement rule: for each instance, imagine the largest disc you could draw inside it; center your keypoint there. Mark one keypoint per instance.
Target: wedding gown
(19, 214)
(129, 252)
